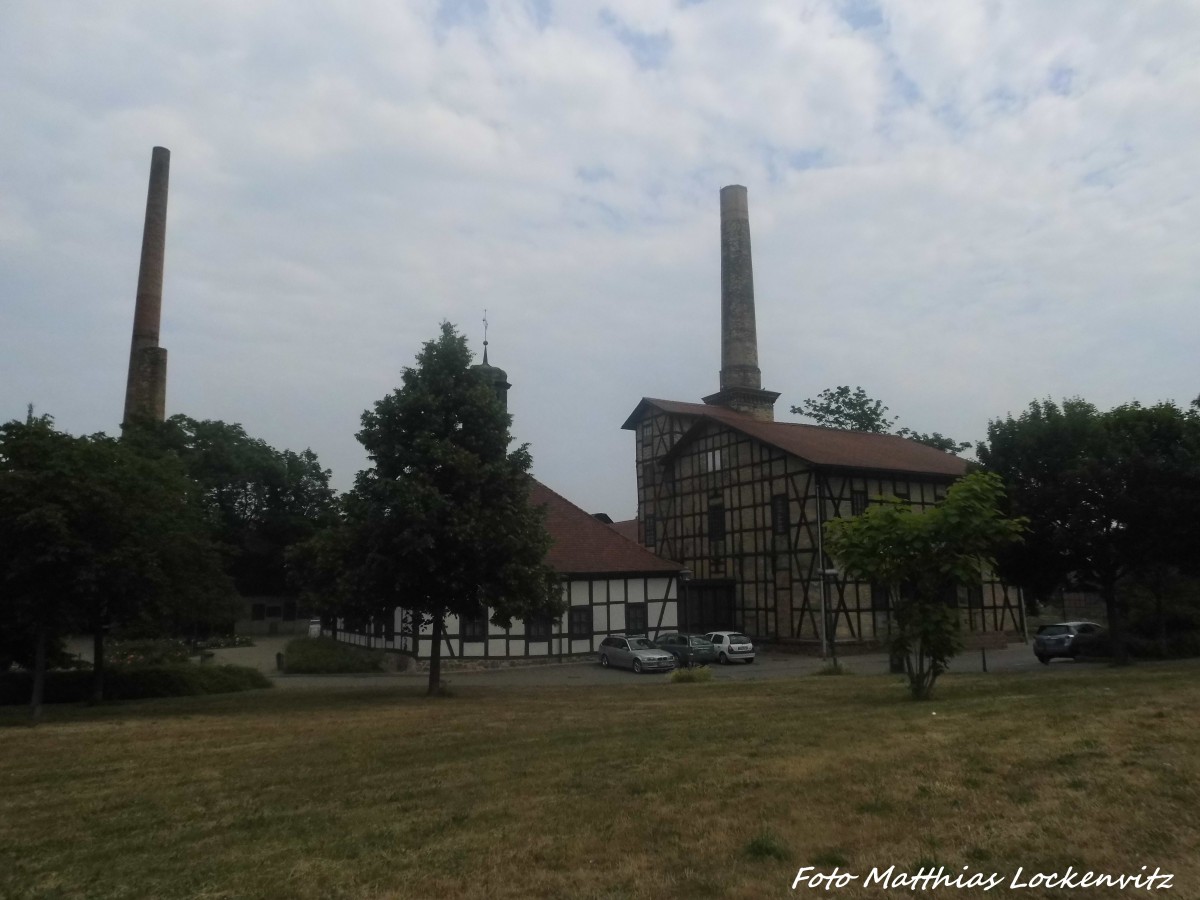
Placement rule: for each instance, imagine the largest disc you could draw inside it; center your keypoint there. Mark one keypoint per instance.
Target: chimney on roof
(146, 386)
(741, 379)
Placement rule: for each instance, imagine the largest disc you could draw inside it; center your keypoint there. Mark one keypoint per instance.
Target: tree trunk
(435, 655)
(1116, 622)
(98, 664)
(39, 676)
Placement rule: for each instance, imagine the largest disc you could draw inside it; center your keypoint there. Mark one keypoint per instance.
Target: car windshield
(641, 644)
(1053, 630)
(738, 639)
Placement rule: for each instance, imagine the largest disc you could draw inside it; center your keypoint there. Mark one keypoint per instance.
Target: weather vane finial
(485, 324)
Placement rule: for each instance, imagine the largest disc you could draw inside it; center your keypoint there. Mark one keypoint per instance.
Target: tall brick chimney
(146, 387)
(741, 380)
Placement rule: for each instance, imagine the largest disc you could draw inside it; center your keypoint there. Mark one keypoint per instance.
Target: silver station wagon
(635, 653)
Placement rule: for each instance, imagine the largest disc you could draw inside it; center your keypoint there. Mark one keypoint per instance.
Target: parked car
(688, 649)
(637, 653)
(731, 645)
(1070, 640)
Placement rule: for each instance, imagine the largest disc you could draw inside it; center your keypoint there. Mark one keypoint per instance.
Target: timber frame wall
(741, 512)
(606, 597)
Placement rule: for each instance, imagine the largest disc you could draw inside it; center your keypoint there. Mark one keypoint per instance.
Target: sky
(960, 205)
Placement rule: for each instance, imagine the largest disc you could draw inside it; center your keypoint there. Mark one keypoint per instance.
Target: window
(635, 618)
(880, 601)
(258, 612)
(712, 461)
(975, 596)
(538, 628)
(289, 610)
(274, 612)
(474, 628)
(581, 621)
(858, 503)
(650, 538)
(780, 514)
(716, 523)
(649, 475)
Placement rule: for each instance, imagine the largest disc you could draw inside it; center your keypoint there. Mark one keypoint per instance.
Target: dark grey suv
(1070, 640)
(635, 653)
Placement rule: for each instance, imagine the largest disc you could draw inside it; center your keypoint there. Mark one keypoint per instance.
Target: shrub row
(325, 656)
(133, 684)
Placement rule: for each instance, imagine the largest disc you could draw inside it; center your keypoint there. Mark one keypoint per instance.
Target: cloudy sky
(959, 205)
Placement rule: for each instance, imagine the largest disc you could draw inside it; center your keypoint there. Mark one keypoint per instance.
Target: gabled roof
(626, 527)
(834, 448)
(583, 545)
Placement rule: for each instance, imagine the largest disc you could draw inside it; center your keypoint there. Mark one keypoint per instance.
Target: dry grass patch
(602, 792)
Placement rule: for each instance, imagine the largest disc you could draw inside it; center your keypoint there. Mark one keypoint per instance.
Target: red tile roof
(827, 447)
(626, 528)
(583, 545)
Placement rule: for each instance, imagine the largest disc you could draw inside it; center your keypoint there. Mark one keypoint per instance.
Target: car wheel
(724, 659)
(1044, 660)
(637, 666)
(604, 660)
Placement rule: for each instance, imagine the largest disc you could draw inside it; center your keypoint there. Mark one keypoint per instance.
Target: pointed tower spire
(497, 378)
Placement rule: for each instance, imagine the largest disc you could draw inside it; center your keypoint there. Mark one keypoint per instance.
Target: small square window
(474, 628)
(858, 502)
(880, 599)
(780, 514)
(581, 621)
(538, 628)
(635, 618)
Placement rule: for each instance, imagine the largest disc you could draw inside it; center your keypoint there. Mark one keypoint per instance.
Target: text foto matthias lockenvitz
(932, 879)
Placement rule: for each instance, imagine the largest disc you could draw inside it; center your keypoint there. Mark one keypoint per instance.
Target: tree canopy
(441, 522)
(260, 501)
(96, 535)
(842, 407)
(917, 556)
(1107, 494)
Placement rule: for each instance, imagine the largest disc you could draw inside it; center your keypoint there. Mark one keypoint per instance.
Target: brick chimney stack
(741, 379)
(146, 388)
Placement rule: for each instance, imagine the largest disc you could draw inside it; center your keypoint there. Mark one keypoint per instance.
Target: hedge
(181, 680)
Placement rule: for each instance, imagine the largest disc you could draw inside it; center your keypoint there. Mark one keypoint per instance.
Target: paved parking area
(769, 665)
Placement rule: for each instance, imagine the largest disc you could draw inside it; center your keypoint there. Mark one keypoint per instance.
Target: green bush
(180, 680)
(696, 675)
(325, 656)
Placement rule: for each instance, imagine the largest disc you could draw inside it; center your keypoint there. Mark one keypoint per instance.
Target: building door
(707, 606)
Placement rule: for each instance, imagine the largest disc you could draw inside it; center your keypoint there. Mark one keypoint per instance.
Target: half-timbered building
(742, 500)
(610, 585)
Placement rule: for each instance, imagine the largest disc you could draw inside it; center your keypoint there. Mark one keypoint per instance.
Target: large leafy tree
(842, 407)
(260, 501)
(917, 556)
(440, 523)
(95, 535)
(1109, 495)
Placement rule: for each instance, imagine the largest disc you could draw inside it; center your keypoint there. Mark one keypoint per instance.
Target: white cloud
(960, 205)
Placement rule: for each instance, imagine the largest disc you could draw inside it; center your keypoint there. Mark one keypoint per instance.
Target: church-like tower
(146, 385)
(495, 377)
(741, 379)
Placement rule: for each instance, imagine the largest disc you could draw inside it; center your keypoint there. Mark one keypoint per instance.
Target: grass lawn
(691, 790)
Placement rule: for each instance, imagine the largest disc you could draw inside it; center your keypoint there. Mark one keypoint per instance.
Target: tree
(259, 500)
(917, 556)
(440, 523)
(1108, 495)
(842, 407)
(95, 535)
